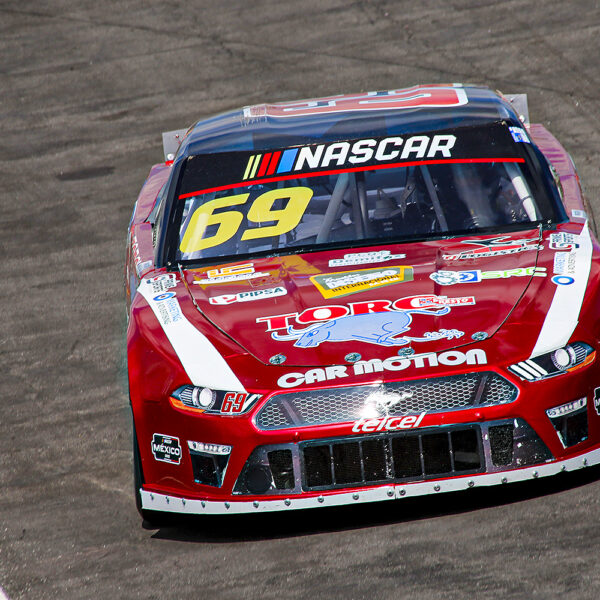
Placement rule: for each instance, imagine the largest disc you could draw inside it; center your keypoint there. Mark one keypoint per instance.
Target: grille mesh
(342, 405)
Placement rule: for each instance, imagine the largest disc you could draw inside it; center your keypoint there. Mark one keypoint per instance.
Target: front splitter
(177, 504)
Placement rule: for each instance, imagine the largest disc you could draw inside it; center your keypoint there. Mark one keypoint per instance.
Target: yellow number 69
(229, 222)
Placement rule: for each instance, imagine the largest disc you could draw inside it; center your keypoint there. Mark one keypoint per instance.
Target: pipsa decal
(334, 285)
(499, 246)
(475, 276)
(597, 400)
(229, 274)
(166, 448)
(365, 258)
(450, 358)
(378, 322)
(387, 423)
(248, 296)
(564, 241)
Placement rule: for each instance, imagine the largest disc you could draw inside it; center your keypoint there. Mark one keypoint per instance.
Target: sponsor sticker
(451, 358)
(519, 134)
(164, 301)
(337, 154)
(564, 241)
(563, 280)
(166, 448)
(364, 258)
(248, 296)
(475, 276)
(597, 400)
(387, 423)
(161, 283)
(499, 246)
(380, 322)
(334, 285)
(579, 214)
(565, 263)
(229, 274)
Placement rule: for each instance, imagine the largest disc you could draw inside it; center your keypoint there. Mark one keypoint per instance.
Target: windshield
(378, 190)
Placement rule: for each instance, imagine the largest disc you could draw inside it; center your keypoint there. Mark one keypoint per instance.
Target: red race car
(360, 298)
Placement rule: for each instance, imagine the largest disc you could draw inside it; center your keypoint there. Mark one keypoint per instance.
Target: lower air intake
(390, 458)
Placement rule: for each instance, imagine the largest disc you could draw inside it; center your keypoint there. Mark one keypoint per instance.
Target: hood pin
(406, 352)
(278, 359)
(479, 336)
(352, 357)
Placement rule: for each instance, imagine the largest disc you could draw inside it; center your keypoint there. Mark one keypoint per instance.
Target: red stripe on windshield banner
(264, 164)
(273, 163)
(414, 163)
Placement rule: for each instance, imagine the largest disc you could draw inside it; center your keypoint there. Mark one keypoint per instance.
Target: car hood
(318, 308)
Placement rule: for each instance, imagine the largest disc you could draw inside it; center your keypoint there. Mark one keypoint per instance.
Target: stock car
(360, 298)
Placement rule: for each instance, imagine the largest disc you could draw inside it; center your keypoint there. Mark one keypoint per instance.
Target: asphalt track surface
(86, 88)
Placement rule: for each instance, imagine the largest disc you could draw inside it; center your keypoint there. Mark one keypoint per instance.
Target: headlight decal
(200, 359)
(563, 314)
(557, 362)
(223, 402)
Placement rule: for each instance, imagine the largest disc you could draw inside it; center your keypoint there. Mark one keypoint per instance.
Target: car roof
(423, 108)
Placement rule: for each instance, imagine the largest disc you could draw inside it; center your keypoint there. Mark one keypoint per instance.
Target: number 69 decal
(261, 211)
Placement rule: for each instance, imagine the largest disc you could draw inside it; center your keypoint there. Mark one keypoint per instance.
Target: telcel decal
(475, 276)
(365, 258)
(166, 448)
(499, 246)
(333, 285)
(229, 274)
(378, 322)
(248, 296)
(450, 358)
(387, 423)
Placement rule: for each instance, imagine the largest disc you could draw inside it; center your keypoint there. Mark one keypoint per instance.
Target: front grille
(391, 458)
(343, 405)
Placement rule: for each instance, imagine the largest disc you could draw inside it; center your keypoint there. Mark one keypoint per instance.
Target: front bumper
(176, 504)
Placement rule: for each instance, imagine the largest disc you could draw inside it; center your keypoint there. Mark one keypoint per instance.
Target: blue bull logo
(381, 328)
